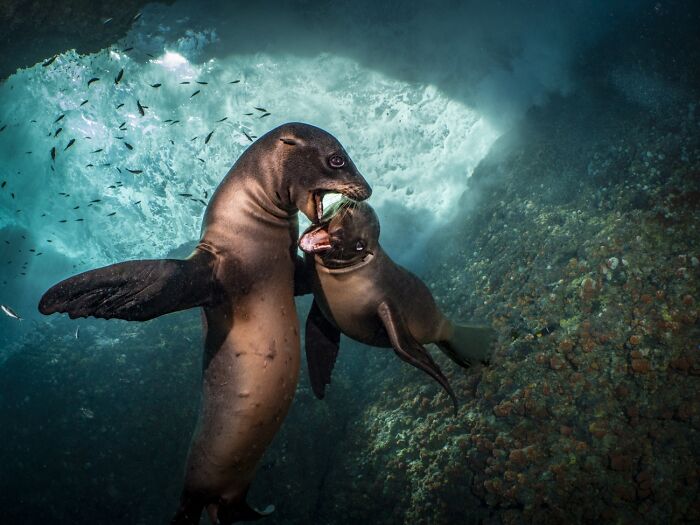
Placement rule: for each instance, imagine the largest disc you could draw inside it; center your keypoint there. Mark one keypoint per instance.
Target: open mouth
(314, 206)
(315, 240)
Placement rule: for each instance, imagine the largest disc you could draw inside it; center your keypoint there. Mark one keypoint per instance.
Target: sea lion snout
(320, 165)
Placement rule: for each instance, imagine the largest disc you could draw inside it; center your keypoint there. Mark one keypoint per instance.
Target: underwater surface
(536, 164)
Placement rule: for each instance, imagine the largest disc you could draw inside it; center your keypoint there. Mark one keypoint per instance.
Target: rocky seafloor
(577, 239)
(580, 243)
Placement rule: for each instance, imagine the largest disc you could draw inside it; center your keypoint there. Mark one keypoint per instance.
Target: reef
(34, 31)
(580, 244)
(577, 239)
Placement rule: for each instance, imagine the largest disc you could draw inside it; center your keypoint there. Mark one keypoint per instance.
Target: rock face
(34, 30)
(580, 249)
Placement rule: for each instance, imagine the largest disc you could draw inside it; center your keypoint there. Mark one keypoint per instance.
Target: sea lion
(242, 274)
(360, 291)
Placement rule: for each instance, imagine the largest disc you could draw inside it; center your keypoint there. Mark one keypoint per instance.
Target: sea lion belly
(350, 300)
(250, 374)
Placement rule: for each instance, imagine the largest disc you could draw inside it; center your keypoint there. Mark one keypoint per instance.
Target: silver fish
(77, 332)
(10, 312)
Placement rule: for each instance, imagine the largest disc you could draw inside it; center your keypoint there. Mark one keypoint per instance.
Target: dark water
(535, 164)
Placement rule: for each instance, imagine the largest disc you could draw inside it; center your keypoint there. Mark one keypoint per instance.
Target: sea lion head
(314, 163)
(347, 235)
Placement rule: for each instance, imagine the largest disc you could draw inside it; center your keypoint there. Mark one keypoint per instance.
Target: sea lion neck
(348, 268)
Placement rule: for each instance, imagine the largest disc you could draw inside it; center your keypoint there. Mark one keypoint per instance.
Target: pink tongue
(315, 241)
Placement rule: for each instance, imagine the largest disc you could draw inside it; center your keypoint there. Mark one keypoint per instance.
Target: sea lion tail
(135, 290)
(469, 344)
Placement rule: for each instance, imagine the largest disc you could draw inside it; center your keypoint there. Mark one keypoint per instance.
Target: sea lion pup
(242, 274)
(359, 291)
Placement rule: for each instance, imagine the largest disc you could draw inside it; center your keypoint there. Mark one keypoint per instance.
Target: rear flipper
(220, 513)
(469, 344)
(136, 290)
(408, 349)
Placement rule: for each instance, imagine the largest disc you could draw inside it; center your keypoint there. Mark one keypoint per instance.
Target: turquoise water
(501, 142)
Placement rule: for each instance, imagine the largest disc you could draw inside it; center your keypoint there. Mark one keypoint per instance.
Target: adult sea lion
(360, 291)
(242, 274)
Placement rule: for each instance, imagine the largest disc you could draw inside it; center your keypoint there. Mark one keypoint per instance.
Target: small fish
(3, 127)
(128, 146)
(185, 194)
(119, 170)
(134, 171)
(119, 76)
(112, 187)
(9, 312)
(49, 61)
(138, 103)
(266, 114)
(206, 194)
(247, 114)
(4, 183)
(137, 202)
(120, 105)
(195, 93)
(155, 85)
(206, 140)
(172, 142)
(202, 83)
(149, 55)
(106, 21)
(185, 82)
(260, 109)
(93, 79)
(194, 138)
(248, 136)
(70, 143)
(76, 207)
(57, 132)
(63, 220)
(234, 82)
(169, 120)
(13, 195)
(111, 214)
(59, 118)
(200, 159)
(122, 125)
(120, 138)
(84, 102)
(136, 16)
(89, 165)
(125, 50)
(53, 153)
(77, 332)
(96, 200)
(174, 122)
(221, 120)
(203, 202)
(97, 150)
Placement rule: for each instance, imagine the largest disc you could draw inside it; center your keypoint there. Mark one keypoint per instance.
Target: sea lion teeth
(318, 198)
(315, 241)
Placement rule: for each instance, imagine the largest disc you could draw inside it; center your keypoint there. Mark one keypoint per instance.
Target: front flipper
(408, 349)
(135, 290)
(322, 342)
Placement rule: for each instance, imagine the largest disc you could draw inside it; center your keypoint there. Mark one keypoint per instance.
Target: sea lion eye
(360, 246)
(336, 161)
